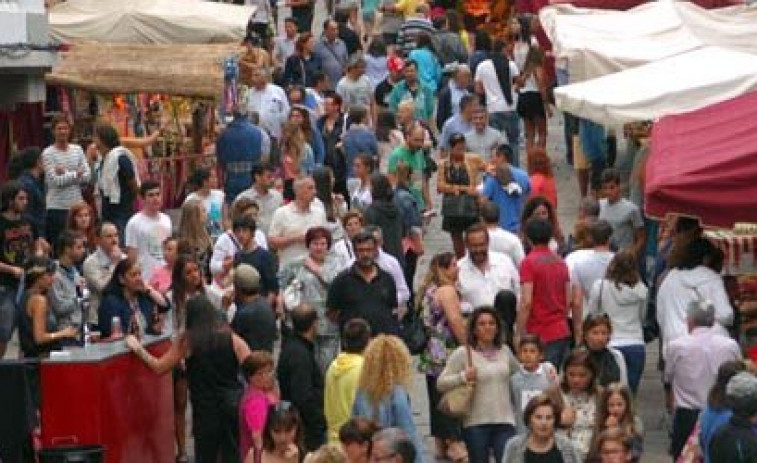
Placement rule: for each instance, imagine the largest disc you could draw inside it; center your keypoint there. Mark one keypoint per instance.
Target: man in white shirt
(590, 266)
(268, 101)
(265, 196)
(691, 368)
(147, 229)
(501, 240)
(292, 221)
(98, 267)
(484, 273)
(495, 79)
(389, 264)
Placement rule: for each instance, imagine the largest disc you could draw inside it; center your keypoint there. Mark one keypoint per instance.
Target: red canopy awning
(704, 164)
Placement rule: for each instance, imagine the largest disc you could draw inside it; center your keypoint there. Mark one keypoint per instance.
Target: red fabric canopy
(704, 164)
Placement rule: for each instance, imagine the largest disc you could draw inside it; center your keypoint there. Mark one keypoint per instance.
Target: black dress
(215, 391)
(457, 175)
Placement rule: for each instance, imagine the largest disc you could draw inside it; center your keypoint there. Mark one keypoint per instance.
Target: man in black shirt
(364, 290)
(300, 377)
(254, 321)
(260, 259)
(17, 244)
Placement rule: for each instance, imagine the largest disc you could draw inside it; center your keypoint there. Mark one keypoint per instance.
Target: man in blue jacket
(239, 147)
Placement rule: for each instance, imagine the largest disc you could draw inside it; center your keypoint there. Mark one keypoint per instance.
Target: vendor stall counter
(104, 395)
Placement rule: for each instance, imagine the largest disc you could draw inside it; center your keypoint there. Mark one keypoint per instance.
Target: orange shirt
(544, 186)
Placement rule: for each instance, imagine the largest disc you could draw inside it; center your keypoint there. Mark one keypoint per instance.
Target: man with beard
(411, 153)
(364, 290)
(484, 273)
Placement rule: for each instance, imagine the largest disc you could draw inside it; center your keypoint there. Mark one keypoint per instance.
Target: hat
(395, 63)
(246, 278)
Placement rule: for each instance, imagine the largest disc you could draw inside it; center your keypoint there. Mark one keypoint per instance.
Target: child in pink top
(161, 278)
(261, 393)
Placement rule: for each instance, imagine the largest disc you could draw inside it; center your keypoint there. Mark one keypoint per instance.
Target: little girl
(260, 395)
(615, 411)
(161, 276)
(609, 362)
(282, 435)
(578, 391)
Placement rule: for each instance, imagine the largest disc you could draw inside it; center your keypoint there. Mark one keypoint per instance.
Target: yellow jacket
(341, 386)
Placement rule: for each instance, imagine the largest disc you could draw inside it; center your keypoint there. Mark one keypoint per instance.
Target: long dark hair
(323, 178)
(179, 286)
(115, 286)
(385, 123)
(717, 399)
(206, 328)
(307, 126)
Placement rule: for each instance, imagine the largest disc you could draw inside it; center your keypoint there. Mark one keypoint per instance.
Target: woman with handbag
(457, 182)
(306, 281)
(383, 392)
(483, 368)
(440, 310)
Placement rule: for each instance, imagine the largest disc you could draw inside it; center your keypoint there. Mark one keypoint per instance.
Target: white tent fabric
(674, 85)
(600, 42)
(148, 21)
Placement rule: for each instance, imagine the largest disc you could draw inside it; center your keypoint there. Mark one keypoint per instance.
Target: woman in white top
(533, 104)
(623, 297)
(490, 423)
(211, 198)
(352, 222)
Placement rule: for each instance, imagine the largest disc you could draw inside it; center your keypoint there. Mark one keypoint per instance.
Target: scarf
(502, 67)
(608, 370)
(108, 181)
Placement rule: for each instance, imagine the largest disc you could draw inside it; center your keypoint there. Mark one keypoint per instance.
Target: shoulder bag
(413, 332)
(457, 402)
(458, 206)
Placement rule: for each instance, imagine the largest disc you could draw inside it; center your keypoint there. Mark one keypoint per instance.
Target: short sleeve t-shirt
(356, 92)
(146, 234)
(417, 164)
(382, 93)
(548, 274)
(213, 203)
(486, 74)
(625, 218)
(16, 245)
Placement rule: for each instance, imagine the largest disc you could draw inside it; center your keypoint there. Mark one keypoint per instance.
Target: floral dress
(441, 340)
(314, 290)
(582, 431)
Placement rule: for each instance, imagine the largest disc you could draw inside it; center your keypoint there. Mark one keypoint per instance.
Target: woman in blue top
(129, 298)
(382, 393)
(429, 70)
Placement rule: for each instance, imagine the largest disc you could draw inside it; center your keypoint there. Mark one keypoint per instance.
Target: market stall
(143, 88)
(149, 21)
(598, 42)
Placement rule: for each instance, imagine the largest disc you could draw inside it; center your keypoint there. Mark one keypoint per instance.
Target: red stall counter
(104, 395)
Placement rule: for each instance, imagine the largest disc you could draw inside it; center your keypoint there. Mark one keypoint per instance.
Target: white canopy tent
(599, 42)
(674, 85)
(149, 21)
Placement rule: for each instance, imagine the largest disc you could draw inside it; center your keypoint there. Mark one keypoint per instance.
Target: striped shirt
(64, 189)
(409, 31)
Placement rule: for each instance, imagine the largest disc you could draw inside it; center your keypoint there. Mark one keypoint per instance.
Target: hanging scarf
(502, 67)
(608, 370)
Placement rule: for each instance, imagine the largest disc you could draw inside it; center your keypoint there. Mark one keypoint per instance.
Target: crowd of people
(289, 284)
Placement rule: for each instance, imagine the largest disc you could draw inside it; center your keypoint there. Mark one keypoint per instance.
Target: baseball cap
(395, 63)
(246, 278)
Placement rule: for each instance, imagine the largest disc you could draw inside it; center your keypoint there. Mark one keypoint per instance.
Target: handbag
(413, 333)
(461, 206)
(292, 294)
(457, 401)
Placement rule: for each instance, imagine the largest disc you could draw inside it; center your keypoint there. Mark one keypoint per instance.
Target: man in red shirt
(544, 301)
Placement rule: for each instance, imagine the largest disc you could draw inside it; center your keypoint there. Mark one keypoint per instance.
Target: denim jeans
(556, 351)
(635, 357)
(509, 123)
(483, 439)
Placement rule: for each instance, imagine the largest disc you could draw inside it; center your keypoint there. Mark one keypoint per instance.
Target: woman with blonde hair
(194, 238)
(383, 389)
(297, 158)
(440, 308)
(81, 218)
